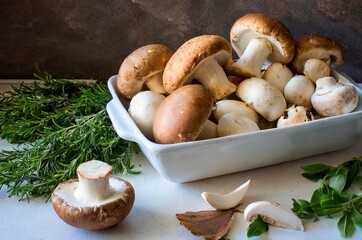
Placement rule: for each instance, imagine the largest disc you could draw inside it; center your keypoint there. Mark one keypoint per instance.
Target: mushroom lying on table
(273, 213)
(315, 54)
(96, 200)
(333, 97)
(182, 115)
(200, 58)
(144, 65)
(257, 38)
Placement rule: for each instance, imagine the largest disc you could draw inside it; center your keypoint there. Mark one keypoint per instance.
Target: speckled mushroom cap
(185, 60)
(182, 114)
(93, 216)
(316, 46)
(139, 66)
(256, 25)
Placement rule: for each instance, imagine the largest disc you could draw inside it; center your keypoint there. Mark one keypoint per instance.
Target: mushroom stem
(212, 76)
(154, 83)
(93, 179)
(254, 57)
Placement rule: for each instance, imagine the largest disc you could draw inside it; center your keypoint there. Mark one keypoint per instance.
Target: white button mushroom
(299, 91)
(143, 108)
(227, 106)
(235, 123)
(201, 58)
(333, 97)
(208, 131)
(273, 213)
(144, 65)
(96, 200)
(315, 69)
(257, 38)
(295, 115)
(263, 97)
(278, 74)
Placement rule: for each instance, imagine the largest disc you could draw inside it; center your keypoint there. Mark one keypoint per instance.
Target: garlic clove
(273, 213)
(226, 201)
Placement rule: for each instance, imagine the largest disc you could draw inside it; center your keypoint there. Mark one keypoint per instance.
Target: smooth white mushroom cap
(208, 131)
(228, 106)
(143, 108)
(315, 69)
(333, 97)
(278, 75)
(235, 123)
(294, 115)
(299, 91)
(273, 213)
(263, 97)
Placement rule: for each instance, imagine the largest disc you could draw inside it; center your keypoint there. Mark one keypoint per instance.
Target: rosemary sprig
(332, 196)
(63, 124)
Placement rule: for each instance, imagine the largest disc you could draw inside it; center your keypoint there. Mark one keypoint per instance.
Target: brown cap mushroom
(144, 65)
(181, 116)
(318, 47)
(201, 58)
(257, 38)
(96, 200)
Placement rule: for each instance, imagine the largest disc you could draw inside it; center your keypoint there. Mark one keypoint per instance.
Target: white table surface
(157, 202)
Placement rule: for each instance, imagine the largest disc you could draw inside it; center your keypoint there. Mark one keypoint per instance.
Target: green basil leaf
(345, 225)
(316, 196)
(302, 208)
(353, 173)
(338, 181)
(328, 200)
(316, 168)
(315, 172)
(358, 181)
(257, 227)
(357, 217)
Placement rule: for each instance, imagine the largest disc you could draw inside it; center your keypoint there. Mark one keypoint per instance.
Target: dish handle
(125, 131)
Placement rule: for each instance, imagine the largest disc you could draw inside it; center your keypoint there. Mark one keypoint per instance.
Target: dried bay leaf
(210, 224)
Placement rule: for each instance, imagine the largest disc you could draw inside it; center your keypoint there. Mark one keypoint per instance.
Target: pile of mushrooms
(199, 91)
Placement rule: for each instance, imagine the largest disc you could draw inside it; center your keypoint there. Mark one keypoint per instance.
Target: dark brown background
(90, 38)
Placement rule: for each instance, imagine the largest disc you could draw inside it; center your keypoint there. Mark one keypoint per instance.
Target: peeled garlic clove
(226, 201)
(273, 213)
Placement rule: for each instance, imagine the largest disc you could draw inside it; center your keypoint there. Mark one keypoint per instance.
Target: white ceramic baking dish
(189, 161)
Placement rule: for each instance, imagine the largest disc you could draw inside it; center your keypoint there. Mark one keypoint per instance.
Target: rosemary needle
(61, 124)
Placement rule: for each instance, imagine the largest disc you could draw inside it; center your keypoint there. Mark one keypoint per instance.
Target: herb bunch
(332, 196)
(59, 123)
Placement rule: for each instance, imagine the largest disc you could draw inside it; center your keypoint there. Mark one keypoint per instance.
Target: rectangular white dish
(190, 161)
